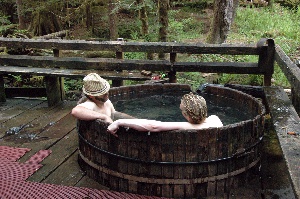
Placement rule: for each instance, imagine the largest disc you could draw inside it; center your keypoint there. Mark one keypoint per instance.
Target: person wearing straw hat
(193, 108)
(96, 104)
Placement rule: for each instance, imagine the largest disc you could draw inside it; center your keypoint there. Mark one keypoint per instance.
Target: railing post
(119, 55)
(295, 97)
(172, 72)
(2, 89)
(266, 59)
(55, 86)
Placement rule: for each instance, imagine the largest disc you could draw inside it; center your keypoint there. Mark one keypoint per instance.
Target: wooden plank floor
(30, 123)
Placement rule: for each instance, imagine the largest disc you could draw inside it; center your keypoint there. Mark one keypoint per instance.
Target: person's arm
(146, 125)
(83, 113)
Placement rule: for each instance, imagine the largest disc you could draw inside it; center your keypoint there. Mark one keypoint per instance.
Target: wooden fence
(292, 73)
(117, 69)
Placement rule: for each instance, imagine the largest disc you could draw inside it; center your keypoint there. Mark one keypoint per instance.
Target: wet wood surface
(287, 126)
(32, 124)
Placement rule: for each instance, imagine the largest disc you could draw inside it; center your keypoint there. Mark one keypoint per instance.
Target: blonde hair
(195, 107)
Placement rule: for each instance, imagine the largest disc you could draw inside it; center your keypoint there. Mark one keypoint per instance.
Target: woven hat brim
(102, 91)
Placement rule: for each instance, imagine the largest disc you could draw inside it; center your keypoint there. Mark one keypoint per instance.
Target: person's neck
(190, 121)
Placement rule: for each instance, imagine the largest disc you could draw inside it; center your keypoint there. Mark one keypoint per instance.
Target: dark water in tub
(166, 108)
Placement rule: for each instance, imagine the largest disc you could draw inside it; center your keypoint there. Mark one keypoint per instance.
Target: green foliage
(134, 55)
(251, 24)
(279, 78)
(247, 79)
(129, 82)
(17, 78)
(73, 84)
(192, 78)
(4, 20)
(183, 26)
(193, 5)
(131, 5)
(129, 31)
(279, 23)
(100, 32)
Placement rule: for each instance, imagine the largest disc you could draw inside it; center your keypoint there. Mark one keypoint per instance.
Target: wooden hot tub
(179, 164)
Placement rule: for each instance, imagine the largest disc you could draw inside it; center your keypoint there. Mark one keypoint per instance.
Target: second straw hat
(95, 85)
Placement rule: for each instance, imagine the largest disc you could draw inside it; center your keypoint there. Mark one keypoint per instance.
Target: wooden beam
(111, 64)
(73, 73)
(2, 89)
(218, 67)
(105, 64)
(121, 46)
(289, 68)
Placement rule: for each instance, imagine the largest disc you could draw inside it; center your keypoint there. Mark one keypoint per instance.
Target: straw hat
(95, 85)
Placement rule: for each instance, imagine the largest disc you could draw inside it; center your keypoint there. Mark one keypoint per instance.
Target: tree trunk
(143, 17)
(163, 7)
(21, 17)
(144, 20)
(88, 15)
(224, 13)
(112, 21)
(270, 3)
(44, 22)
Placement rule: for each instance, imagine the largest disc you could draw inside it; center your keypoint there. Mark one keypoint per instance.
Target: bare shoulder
(88, 104)
(213, 117)
(214, 121)
(109, 102)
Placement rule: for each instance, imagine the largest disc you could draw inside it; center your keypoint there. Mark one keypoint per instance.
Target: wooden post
(266, 59)
(55, 86)
(296, 96)
(172, 73)
(2, 90)
(53, 90)
(295, 99)
(119, 55)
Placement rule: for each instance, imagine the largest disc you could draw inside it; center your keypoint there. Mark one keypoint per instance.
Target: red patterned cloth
(10, 169)
(11, 153)
(13, 182)
(33, 190)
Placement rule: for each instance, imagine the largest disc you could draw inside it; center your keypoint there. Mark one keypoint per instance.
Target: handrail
(122, 46)
(290, 69)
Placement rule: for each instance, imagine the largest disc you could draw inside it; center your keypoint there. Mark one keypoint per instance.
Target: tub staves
(178, 164)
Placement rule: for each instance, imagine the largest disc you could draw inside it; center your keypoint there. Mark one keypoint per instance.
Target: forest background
(160, 20)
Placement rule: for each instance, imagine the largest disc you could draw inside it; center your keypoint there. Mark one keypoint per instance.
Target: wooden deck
(30, 123)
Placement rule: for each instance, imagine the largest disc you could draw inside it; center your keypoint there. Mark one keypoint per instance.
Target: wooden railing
(292, 73)
(118, 69)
